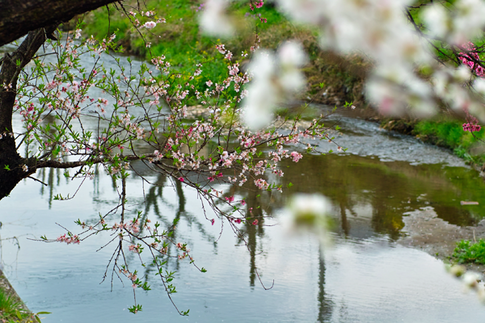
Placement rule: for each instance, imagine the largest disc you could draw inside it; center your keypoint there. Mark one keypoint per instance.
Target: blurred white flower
(468, 20)
(470, 279)
(310, 213)
(437, 20)
(214, 20)
(292, 80)
(274, 78)
(305, 11)
(263, 65)
(479, 85)
(262, 93)
(291, 57)
(258, 105)
(462, 73)
(309, 208)
(291, 53)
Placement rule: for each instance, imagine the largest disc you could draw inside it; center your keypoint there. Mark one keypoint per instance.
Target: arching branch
(17, 18)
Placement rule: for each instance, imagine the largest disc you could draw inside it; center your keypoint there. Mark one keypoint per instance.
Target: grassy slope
(12, 309)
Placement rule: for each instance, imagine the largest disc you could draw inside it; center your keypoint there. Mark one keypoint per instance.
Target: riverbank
(12, 308)
(426, 231)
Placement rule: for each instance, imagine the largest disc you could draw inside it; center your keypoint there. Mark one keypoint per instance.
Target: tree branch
(17, 18)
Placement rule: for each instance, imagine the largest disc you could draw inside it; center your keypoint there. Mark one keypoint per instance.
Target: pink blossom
(181, 179)
(221, 48)
(149, 24)
(230, 199)
(470, 59)
(471, 127)
(296, 156)
(69, 239)
(255, 222)
(132, 248)
(261, 184)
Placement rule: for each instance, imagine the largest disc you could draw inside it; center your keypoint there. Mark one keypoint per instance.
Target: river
(369, 275)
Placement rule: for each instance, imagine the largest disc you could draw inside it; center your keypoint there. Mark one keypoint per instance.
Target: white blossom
(214, 20)
(436, 20)
(309, 213)
(274, 77)
(470, 279)
(150, 24)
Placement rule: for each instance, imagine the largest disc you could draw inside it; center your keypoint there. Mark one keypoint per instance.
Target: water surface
(367, 277)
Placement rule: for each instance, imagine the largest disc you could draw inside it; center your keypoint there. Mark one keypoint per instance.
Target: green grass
(450, 134)
(468, 252)
(12, 310)
(180, 39)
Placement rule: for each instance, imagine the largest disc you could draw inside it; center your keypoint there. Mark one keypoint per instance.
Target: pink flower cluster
(296, 156)
(133, 227)
(471, 127)
(261, 184)
(258, 5)
(236, 220)
(69, 239)
(470, 60)
(135, 248)
(185, 250)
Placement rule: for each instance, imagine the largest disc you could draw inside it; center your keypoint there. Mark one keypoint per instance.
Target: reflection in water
(371, 196)
(325, 304)
(369, 200)
(254, 212)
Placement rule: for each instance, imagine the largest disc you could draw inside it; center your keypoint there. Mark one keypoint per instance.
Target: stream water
(367, 276)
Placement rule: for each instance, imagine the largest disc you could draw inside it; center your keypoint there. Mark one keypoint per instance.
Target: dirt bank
(425, 231)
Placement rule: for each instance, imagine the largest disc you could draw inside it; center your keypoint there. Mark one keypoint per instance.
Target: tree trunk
(12, 169)
(18, 17)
